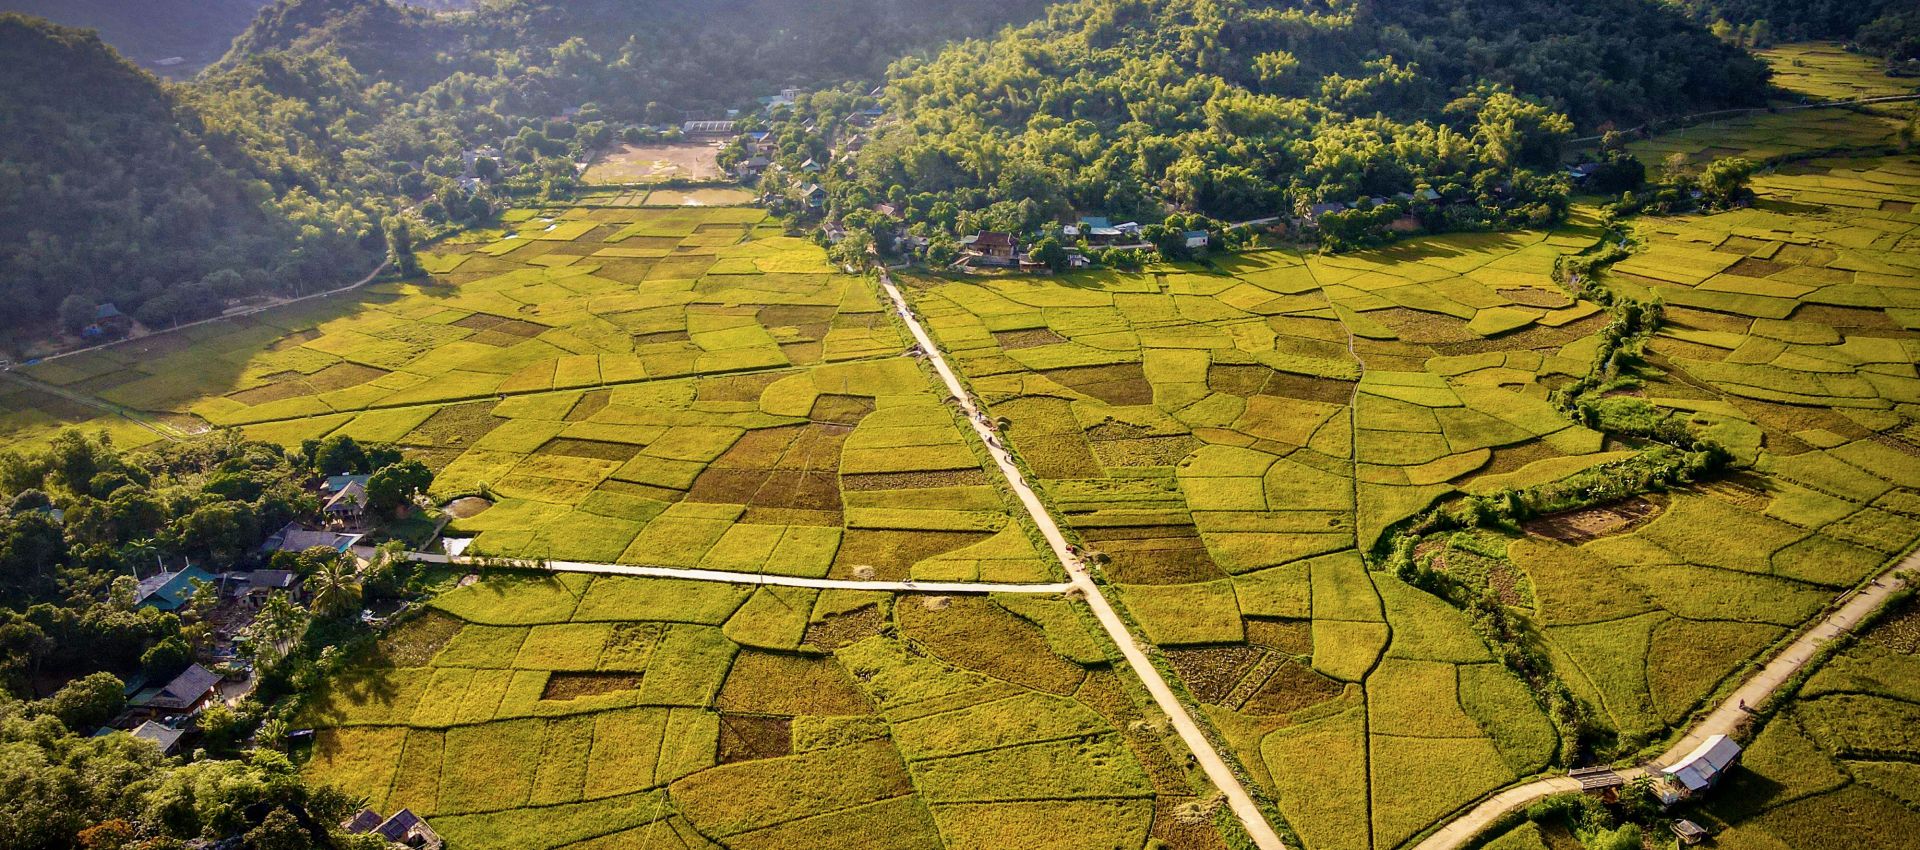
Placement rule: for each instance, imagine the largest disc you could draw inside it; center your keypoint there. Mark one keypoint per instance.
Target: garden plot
(642, 712)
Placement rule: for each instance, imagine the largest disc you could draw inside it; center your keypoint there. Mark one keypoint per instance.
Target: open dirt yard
(655, 163)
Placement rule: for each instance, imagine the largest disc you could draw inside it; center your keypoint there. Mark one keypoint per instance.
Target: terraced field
(667, 387)
(616, 712)
(1234, 444)
(1229, 441)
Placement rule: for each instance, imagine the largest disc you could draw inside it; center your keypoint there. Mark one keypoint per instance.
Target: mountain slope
(147, 31)
(116, 193)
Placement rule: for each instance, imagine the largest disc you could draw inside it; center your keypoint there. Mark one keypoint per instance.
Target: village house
(1698, 771)
(349, 506)
(169, 591)
(1195, 239)
(184, 694)
(813, 195)
(991, 248)
(707, 128)
(404, 828)
(166, 738)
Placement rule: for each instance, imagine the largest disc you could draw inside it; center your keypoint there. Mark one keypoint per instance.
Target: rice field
(1835, 767)
(550, 711)
(677, 387)
(1229, 443)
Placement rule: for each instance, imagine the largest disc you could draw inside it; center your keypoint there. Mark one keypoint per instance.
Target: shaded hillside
(149, 31)
(116, 194)
(624, 54)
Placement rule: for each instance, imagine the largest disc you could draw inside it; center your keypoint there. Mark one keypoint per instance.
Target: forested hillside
(118, 193)
(1245, 108)
(271, 172)
(148, 31)
(1764, 21)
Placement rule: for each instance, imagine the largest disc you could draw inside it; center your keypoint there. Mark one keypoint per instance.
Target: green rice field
(1233, 443)
(595, 712)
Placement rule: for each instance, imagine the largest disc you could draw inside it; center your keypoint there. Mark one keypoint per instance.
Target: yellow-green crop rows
(582, 712)
(675, 387)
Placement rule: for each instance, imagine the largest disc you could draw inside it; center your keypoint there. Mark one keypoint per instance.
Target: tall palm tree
(275, 629)
(336, 586)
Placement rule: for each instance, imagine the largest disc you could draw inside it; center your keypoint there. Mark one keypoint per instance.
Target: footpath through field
(1723, 720)
(1208, 758)
(726, 577)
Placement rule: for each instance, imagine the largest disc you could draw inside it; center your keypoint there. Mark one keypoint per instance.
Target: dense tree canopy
(1245, 108)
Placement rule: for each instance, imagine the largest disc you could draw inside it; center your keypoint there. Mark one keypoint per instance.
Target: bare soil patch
(1752, 267)
(655, 163)
(838, 630)
(1576, 527)
(590, 403)
(1033, 338)
(1211, 672)
(467, 507)
(745, 737)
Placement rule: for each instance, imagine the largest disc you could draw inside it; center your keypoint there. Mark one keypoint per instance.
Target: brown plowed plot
(1212, 672)
(1121, 384)
(1580, 526)
(975, 633)
(745, 737)
(569, 686)
(837, 630)
(502, 324)
(1900, 631)
(1538, 296)
(1032, 338)
(891, 553)
(1291, 687)
(456, 425)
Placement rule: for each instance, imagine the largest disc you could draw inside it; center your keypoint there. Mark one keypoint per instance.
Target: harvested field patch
(892, 553)
(837, 630)
(592, 449)
(1121, 384)
(1033, 338)
(1212, 672)
(974, 633)
(745, 737)
(1576, 527)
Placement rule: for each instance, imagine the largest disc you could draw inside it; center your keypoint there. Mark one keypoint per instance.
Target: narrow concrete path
(1209, 759)
(1723, 720)
(726, 577)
